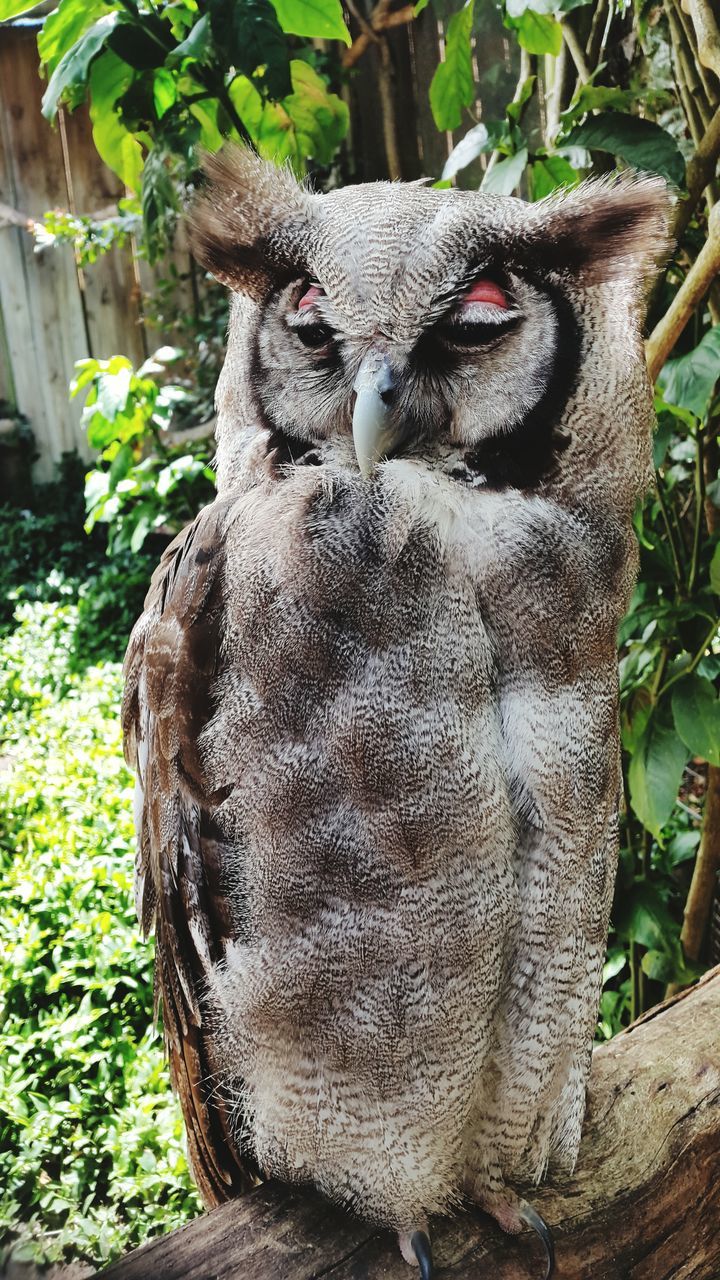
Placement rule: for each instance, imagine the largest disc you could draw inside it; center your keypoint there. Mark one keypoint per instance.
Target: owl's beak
(376, 432)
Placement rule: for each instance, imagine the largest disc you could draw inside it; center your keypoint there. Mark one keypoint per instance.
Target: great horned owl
(373, 699)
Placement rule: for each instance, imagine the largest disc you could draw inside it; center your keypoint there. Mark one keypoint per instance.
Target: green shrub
(91, 1148)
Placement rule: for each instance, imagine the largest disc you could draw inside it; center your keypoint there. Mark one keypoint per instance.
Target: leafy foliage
(92, 1154)
(165, 79)
(143, 483)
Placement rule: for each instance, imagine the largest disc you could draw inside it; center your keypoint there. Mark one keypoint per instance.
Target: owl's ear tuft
(607, 229)
(250, 222)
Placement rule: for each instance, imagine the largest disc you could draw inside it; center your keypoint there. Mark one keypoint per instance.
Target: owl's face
(409, 317)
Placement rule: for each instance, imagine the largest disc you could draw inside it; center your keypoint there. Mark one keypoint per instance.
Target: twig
(577, 53)
(381, 19)
(691, 292)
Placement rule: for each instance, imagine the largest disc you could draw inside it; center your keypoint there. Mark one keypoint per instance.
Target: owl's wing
(173, 659)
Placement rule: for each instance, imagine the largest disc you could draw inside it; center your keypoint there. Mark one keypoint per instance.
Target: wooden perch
(644, 1203)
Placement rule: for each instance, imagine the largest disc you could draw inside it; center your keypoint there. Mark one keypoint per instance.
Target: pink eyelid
(488, 292)
(310, 297)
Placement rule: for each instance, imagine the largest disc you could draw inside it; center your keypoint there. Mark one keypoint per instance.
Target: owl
(372, 702)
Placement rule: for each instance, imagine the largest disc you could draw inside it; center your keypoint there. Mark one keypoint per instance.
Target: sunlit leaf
(70, 76)
(689, 381)
(119, 148)
(537, 32)
(13, 8)
(453, 84)
(309, 122)
(505, 176)
(64, 26)
(197, 45)
(640, 143)
(164, 91)
(318, 19)
(696, 712)
(475, 142)
(547, 173)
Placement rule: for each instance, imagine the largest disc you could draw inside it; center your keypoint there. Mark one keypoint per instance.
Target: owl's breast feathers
(325, 830)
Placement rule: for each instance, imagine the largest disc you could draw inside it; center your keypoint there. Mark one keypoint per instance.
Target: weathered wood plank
(53, 337)
(112, 296)
(644, 1203)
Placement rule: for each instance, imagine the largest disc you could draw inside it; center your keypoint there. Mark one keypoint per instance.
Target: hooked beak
(375, 432)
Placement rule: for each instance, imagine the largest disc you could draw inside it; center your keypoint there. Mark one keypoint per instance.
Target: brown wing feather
(172, 659)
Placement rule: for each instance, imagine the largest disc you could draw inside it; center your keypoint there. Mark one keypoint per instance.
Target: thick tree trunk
(644, 1203)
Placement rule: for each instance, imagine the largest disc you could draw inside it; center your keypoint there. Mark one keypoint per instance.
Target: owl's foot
(415, 1249)
(537, 1223)
(512, 1213)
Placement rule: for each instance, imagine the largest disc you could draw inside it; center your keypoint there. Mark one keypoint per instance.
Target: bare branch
(706, 30)
(381, 19)
(700, 173)
(696, 284)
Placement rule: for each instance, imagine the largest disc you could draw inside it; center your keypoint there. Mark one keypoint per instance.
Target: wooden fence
(51, 312)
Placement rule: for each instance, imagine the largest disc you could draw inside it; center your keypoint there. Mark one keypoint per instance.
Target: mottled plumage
(374, 709)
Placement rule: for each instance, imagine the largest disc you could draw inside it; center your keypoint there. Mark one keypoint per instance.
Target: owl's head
(409, 320)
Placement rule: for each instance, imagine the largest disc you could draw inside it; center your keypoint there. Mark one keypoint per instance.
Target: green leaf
(715, 570)
(164, 91)
(251, 38)
(70, 76)
(309, 122)
(197, 45)
(658, 965)
(682, 847)
(453, 84)
(63, 27)
(504, 176)
(420, 5)
(638, 142)
(206, 114)
(656, 768)
(120, 149)
(642, 916)
(318, 19)
(476, 141)
(696, 712)
(13, 8)
(537, 32)
(689, 381)
(514, 109)
(547, 173)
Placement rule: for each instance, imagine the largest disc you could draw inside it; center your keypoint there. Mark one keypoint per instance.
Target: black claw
(532, 1218)
(420, 1242)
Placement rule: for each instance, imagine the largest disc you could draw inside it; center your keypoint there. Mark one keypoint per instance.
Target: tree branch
(706, 31)
(693, 289)
(577, 53)
(642, 1202)
(381, 19)
(700, 172)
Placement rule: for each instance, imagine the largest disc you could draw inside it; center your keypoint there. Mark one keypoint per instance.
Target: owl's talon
(420, 1242)
(416, 1249)
(537, 1223)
